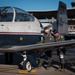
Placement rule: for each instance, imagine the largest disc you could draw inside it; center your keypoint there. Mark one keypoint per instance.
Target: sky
(35, 4)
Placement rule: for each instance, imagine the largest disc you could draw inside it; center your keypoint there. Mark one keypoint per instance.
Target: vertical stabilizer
(62, 20)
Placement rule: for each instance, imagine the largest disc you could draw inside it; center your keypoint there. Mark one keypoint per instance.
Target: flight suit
(61, 51)
(46, 39)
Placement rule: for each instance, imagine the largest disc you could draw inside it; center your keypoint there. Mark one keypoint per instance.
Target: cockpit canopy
(14, 14)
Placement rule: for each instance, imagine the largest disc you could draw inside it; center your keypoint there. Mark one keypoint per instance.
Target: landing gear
(26, 63)
(29, 60)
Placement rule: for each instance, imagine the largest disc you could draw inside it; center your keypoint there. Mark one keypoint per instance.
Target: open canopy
(14, 14)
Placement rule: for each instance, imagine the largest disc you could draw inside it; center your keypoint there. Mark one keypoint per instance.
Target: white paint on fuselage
(33, 26)
(22, 25)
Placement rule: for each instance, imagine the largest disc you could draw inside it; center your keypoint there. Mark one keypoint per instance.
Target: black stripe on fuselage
(17, 39)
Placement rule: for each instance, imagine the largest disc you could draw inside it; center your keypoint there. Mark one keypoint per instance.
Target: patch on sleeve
(62, 36)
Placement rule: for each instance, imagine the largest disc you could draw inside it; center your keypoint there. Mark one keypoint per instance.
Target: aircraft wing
(39, 47)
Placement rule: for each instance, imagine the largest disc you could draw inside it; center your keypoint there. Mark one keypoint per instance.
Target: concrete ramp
(7, 67)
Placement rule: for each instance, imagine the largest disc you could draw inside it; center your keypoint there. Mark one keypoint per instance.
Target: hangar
(49, 14)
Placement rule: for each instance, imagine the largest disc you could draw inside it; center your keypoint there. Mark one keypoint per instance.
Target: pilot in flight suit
(61, 51)
(47, 38)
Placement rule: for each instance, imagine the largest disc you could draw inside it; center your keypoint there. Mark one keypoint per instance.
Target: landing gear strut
(26, 63)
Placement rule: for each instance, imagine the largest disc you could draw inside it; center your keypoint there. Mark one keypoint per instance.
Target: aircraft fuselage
(18, 27)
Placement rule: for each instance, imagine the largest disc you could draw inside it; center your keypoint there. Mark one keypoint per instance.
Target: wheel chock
(33, 70)
(23, 71)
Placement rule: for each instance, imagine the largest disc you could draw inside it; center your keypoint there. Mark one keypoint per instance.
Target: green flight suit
(46, 39)
(60, 52)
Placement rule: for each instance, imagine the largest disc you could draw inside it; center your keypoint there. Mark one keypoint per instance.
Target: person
(47, 38)
(61, 51)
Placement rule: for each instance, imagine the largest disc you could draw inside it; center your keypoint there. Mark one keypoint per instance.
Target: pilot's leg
(58, 54)
(41, 60)
(49, 54)
(49, 62)
(61, 60)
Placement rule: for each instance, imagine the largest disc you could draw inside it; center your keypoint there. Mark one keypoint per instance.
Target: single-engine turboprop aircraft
(18, 31)
(17, 27)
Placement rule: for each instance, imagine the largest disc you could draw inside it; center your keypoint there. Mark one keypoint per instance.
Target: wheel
(27, 65)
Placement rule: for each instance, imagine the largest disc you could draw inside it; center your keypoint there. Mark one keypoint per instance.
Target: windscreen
(6, 14)
(22, 15)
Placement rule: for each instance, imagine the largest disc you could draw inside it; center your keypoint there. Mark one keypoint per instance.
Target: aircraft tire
(27, 65)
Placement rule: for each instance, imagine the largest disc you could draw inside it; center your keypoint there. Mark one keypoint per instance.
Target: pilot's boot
(61, 69)
(62, 65)
(62, 62)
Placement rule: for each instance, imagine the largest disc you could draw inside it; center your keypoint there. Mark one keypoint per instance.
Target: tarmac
(15, 70)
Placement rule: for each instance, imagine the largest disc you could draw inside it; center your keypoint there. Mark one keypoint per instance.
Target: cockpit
(8, 14)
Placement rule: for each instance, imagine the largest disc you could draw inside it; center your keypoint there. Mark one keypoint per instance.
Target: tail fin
(62, 20)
